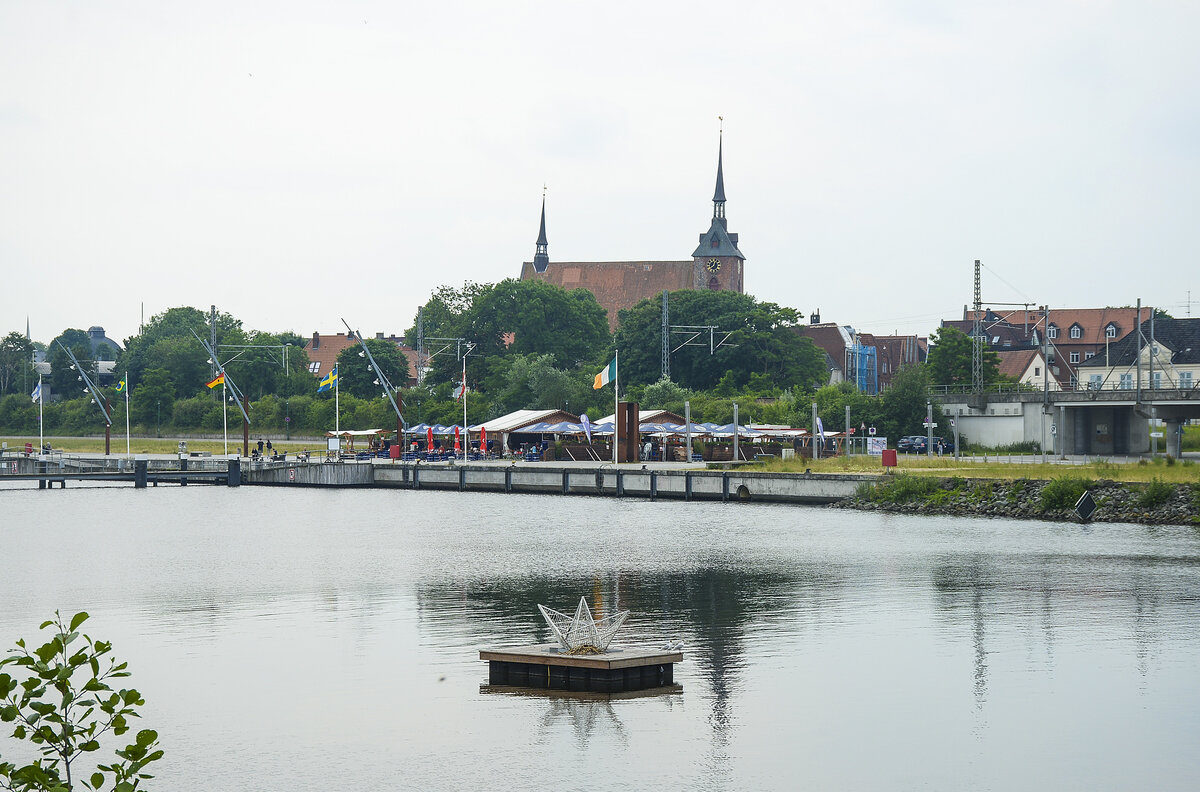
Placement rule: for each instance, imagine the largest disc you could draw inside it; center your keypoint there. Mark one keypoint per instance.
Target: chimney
(815, 318)
(316, 344)
(379, 336)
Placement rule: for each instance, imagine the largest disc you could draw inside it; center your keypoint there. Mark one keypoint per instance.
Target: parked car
(905, 444)
(920, 445)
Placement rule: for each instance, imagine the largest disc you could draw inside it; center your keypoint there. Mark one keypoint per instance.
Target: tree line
(529, 344)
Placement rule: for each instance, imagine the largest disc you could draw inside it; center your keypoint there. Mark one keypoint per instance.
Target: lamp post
(158, 419)
(287, 419)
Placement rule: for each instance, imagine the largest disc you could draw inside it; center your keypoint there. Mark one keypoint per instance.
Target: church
(716, 264)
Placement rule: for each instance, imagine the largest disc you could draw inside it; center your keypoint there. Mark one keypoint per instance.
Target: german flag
(220, 380)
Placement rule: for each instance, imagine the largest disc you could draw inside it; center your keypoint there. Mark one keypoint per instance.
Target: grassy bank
(1185, 472)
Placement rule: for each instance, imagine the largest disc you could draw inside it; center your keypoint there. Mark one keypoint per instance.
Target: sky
(298, 162)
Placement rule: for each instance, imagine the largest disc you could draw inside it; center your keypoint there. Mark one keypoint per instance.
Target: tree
(167, 342)
(951, 355)
(16, 356)
(904, 402)
(543, 319)
(67, 382)
(762, 339)
(153, 397)
(65, 719)
(356, 376)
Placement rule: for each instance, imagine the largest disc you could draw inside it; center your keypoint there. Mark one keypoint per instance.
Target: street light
(158, 420)
(287, 419)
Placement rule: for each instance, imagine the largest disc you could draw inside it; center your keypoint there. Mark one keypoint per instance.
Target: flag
(457, 447)
(606, 376)
(329, 382)
(482, 440)
(587, 426)
(459, 391)
(121, 386)
(220, 380)
(820, 428)
(37, 392)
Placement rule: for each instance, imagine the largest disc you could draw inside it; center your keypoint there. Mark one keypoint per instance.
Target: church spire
(541, 258)
(719, 193)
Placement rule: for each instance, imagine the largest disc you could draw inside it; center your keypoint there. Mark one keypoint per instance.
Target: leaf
(46, 624)
(90, 745)
(97, 780)
(146, 736)
(78, 619)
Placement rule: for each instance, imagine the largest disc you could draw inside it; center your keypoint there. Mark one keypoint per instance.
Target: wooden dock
(615, 671)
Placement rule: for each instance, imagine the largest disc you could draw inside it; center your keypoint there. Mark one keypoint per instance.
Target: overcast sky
(297, 162)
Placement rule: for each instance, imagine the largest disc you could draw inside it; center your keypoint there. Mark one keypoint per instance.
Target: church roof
(726, 243)
(541, 240)
(719, 193)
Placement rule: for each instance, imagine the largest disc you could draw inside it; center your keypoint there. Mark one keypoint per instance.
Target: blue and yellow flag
(121, 386)
(329, 382)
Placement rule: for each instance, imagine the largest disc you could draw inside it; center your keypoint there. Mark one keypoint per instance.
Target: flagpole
(127, 414)
(337, 408)
(41, 423)
(225, 415)
(466, 435)
(616, 403)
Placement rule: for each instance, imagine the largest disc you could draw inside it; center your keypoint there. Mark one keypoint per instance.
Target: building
(717, 263)
(1167, 356)
(323, 351)
(1028, 367)
(1075, 335)
(869, 361)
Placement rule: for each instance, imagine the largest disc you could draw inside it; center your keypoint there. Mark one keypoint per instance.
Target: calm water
(324, 640)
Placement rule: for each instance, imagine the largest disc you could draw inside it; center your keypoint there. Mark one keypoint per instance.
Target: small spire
(719, 193)
(541, 258)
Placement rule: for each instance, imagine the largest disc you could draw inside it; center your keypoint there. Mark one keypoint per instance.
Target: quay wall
(574, 480)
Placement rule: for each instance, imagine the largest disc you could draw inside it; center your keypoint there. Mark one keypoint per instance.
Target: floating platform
(615, 671)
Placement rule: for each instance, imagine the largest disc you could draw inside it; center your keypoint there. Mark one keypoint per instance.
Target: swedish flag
(329, 382)
(121, 386)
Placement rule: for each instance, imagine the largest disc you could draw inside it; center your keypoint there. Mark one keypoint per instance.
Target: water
(319, 639)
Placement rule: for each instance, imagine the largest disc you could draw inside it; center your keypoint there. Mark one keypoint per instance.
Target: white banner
(875, 446)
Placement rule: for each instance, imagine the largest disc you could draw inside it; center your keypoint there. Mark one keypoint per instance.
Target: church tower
(541, 258)
(717, 262)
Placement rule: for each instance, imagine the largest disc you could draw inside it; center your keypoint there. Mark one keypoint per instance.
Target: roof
(515, 421)
(324, 350)
(719, 193)
(1092, 321)
(1015, 362)
(648, 416)
(1179, 336)
(726, 243)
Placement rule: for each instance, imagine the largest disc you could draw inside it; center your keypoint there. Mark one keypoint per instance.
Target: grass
(946, 467)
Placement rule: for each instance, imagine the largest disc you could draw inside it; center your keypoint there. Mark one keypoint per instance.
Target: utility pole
(846, 437)
(1045, 374)
(928, 428)
(814, 439)
(977, 337)
(736, 432)
(212, 340)
(666, 338)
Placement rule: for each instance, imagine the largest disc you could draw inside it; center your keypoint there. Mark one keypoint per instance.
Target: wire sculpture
(582, 634)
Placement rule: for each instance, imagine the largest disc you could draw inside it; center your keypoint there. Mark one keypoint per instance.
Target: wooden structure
(614, 671)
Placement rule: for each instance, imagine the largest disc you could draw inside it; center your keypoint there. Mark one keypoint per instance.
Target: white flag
(37, 392)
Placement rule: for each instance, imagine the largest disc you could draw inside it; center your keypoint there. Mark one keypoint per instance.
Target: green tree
(950, 358)
(16, 356)
(152, 398)
(762, 340)
(67, 382)
(62, 701)
(543, 319)
(904, 402)
(166, 342)
(356, 376)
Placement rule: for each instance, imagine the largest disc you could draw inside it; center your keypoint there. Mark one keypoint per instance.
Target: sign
(1085, 507)
(875, 445)
(291, 474)
(1053, 429)
(1156, 434)
(929, 424)
(871, 431)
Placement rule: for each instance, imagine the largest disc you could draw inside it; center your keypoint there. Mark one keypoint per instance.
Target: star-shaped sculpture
(581, 634)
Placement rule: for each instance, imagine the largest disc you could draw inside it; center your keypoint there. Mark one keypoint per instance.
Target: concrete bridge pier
(1173, 434)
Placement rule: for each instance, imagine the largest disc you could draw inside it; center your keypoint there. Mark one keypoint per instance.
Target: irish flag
(607, 375)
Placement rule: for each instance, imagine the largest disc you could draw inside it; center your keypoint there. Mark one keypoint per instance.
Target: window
(1074, 382)
(1094, 382)
(1076, 331)
(1110, 331)
(716, 243)
(1052, 332)
(1126, 382)
(314, 367)
(1089, 355)
(1185, 379)
(1074, 357)
(1037, 371)
(1157, 381)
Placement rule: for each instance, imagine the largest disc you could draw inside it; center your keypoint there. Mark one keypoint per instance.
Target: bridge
(1100, 421)
(48, 470)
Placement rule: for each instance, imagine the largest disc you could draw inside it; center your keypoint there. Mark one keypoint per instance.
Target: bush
(1063, 493)
(1155, 494)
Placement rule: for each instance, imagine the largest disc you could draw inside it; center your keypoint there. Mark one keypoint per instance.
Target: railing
(1081, 387)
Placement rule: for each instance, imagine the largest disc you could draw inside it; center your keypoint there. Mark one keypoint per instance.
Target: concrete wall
(311, 475)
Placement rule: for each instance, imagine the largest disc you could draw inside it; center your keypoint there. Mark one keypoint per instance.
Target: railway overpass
(1101, 421)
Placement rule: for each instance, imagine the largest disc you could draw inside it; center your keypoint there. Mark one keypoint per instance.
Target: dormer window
(1076, 331)
(1052, 331)
(716, 243)
(1110, 331)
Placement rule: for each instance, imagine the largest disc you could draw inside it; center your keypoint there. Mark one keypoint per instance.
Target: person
(270, 450)
(260, 445)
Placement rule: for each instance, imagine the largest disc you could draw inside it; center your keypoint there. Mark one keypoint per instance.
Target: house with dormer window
(1168, 354)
